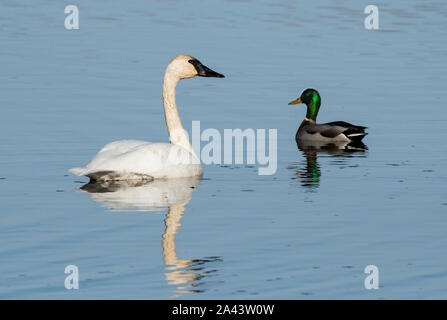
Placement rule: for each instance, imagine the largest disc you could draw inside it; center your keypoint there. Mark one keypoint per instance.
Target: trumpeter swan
(132, 159)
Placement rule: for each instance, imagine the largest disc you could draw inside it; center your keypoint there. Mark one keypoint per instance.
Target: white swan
(132, 159)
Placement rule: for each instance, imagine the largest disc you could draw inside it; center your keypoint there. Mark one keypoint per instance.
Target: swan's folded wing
(123, 145)
(113, 150)
(157, 160)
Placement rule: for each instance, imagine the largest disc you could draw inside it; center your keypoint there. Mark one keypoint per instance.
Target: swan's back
(134, 159)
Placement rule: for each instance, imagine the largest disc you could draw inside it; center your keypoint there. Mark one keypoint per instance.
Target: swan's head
(185, 67)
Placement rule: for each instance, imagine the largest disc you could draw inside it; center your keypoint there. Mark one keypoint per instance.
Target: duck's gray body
(337, 131)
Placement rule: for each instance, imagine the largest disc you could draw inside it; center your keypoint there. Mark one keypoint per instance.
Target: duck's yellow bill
(295, 101)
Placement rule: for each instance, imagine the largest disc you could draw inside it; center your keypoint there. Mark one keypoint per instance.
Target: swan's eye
(194, 62)
(204, 71)
(197, 65)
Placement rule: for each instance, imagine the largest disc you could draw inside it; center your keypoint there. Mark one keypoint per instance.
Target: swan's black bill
(204, 71)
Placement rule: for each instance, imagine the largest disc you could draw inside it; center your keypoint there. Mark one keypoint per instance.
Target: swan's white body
(132, 159)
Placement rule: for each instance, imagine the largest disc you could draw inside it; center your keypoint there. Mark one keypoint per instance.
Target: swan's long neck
(177, 135)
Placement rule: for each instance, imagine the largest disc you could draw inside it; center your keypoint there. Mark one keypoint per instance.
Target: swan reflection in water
(309, 173)
(156, 195)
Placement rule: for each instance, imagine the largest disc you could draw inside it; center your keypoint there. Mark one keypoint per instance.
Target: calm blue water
(306, 232)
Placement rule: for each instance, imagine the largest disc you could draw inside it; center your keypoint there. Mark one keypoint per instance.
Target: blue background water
(65, 94)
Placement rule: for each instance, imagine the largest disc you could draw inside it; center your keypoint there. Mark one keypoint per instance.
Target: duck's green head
(311, 98)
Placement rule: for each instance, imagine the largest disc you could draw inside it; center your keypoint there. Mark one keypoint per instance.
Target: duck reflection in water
(309, 173)
(187, 275)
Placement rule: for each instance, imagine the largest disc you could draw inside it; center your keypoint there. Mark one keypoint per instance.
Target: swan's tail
(77, 171)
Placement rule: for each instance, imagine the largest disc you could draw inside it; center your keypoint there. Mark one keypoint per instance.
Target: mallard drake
(337, 131)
